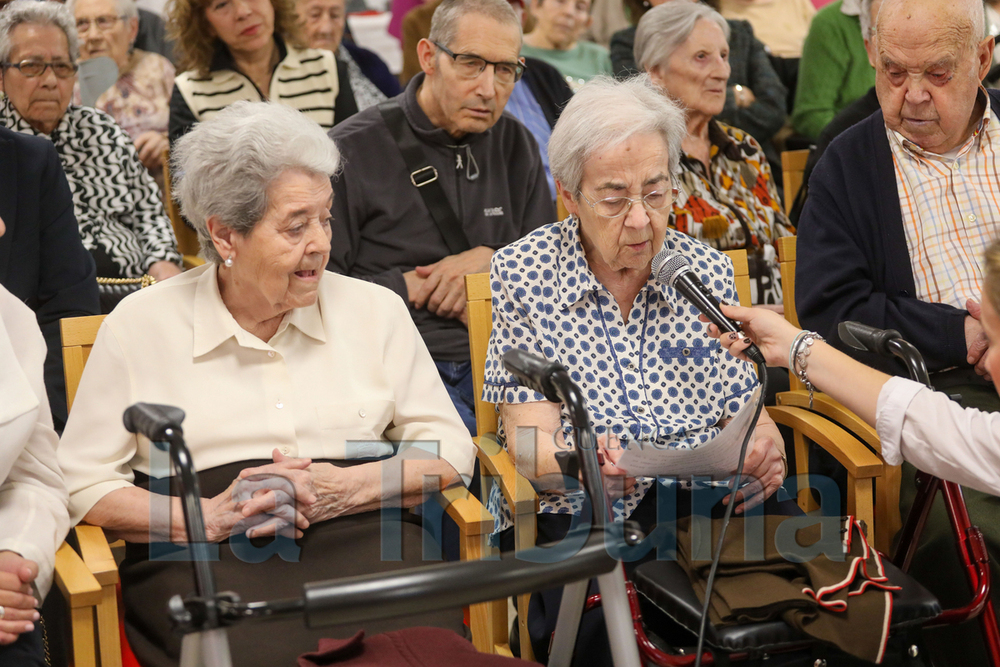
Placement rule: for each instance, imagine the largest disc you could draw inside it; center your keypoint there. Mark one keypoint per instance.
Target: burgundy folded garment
(412, 647)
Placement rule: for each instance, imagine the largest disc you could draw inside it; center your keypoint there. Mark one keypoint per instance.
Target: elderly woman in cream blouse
(283, 369)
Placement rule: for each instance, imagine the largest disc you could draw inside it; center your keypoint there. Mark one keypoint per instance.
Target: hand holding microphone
(674, 269)
(763, 330)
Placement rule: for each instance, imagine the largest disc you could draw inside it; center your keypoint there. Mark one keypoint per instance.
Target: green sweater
(578, 65)
(834, 70)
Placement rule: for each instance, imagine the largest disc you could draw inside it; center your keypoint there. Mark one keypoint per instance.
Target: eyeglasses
(33, 68)
(614, 207)
(470, 66)
(103, 23)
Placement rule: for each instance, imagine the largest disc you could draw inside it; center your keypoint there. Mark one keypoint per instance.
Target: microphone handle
(688, 284)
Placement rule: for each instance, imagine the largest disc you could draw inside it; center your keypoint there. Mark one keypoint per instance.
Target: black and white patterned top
(116, 201)
(658, 379)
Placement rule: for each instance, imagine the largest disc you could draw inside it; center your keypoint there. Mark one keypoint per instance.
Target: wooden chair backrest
(786, 258)
(887, 517)
(187, 238)
(793, 168)
(78, 334)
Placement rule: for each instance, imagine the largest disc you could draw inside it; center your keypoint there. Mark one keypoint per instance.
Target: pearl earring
(229, 262)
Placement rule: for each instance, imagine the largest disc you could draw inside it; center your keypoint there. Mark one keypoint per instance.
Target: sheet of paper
(716, 458)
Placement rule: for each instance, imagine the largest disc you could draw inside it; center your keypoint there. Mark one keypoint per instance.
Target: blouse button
(686, 352)
(279, 405)
(286, 450)
(641, 410)
(362, 414)
(270, 354)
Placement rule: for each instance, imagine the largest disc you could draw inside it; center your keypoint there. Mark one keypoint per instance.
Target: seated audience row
(116, 202)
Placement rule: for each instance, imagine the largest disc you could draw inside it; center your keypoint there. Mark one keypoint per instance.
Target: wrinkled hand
(257, 505)
(771, 332)
(20, 613)
(322, 490)
(763, 468)
(163, 269)
(975, 338)
(150, 146)
(443, 289)
(616, 480)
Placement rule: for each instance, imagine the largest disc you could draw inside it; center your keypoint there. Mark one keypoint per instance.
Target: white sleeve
(939, 436)
(33, 498)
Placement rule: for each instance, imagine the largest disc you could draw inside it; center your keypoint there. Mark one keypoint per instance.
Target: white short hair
(37, 13)
(225, 165)
(605, 113)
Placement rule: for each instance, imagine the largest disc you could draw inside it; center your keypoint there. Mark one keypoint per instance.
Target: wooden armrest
(96, 554)
(78, 585)
(517, 490)
(834, 410)
(859, 461)
(466, 510)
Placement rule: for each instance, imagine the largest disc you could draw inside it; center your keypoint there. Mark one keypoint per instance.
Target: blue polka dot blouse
(658, 378)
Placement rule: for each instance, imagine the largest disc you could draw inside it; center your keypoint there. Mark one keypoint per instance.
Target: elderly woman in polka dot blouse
(580, 292)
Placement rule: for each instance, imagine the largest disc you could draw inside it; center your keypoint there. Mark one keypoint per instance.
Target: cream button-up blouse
(345, 378)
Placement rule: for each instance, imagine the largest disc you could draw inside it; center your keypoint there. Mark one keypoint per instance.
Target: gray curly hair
(37, 13)
(225, 165)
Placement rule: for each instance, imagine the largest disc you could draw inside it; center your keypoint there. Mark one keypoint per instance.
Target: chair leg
(82, 624)
(887, 518)
(805, 498)
(860, 502)
(524, 538)
(107, 627)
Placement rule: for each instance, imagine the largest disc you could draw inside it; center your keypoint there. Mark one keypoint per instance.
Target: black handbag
(113, 290)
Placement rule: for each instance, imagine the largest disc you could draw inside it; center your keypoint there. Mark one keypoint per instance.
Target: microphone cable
(762, 375)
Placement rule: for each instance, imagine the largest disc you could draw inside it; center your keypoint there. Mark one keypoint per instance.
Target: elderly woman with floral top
(117, 204)
(580, 293)
(728, 196)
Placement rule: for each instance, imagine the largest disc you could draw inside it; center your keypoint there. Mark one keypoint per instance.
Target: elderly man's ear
(985, 56)
(425, 55)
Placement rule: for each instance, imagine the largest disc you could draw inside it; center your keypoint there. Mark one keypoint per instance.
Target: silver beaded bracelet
(798, 358)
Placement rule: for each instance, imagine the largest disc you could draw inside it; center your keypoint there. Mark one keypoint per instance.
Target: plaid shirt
(951, 210)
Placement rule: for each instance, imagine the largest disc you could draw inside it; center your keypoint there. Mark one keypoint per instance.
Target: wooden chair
(887, 517)
(497, 467)
(92, 582)
(793, 167)
(89, 580)
(187, 238)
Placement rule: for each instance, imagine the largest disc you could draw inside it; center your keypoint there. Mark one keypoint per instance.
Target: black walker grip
(535, 372)
(153, 420)
(867, 338)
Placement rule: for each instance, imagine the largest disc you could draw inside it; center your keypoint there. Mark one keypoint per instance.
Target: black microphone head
(667, 265)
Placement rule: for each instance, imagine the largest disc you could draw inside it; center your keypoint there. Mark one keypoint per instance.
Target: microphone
(674, 269)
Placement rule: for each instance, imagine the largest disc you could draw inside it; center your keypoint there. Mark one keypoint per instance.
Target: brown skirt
(341, 547)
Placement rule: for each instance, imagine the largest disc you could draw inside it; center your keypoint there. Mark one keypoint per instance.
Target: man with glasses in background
(439, 178)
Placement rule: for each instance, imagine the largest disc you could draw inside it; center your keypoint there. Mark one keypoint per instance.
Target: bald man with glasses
(439, 177)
